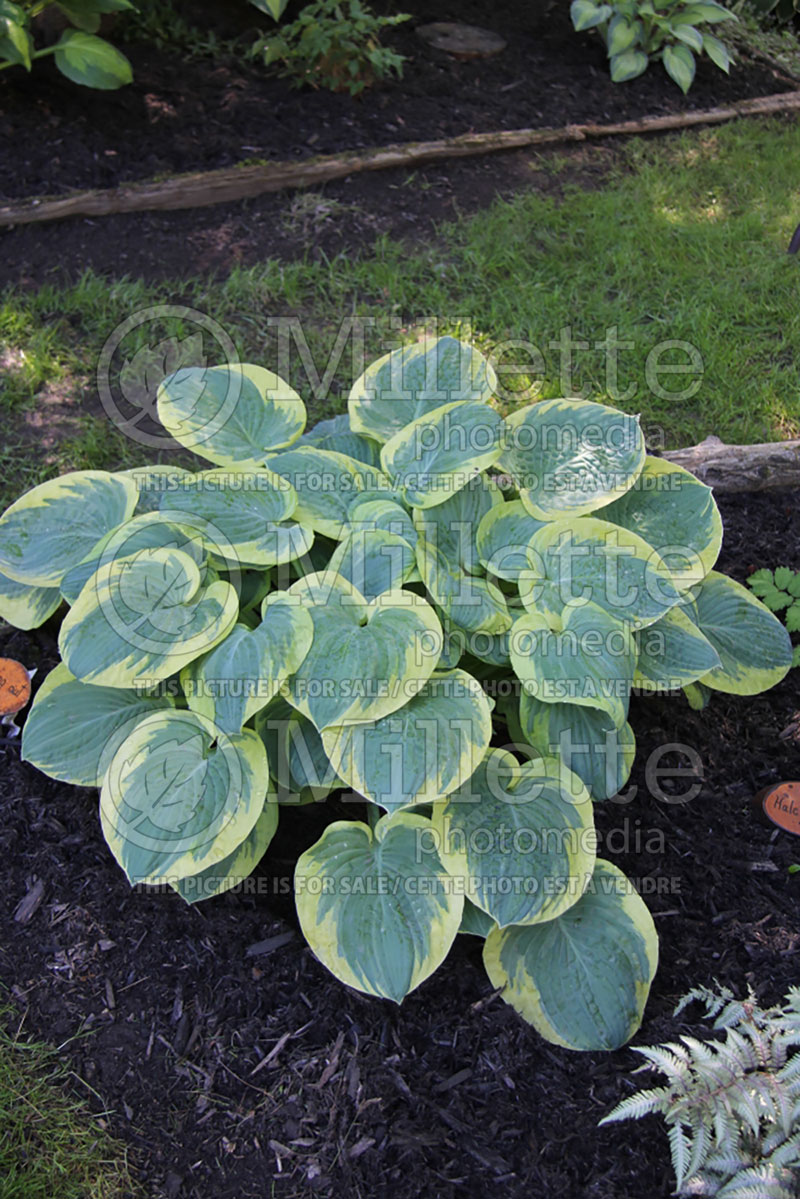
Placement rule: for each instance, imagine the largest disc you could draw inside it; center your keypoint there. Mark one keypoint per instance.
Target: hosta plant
(424, 614)
(638, 32)
(79, 53)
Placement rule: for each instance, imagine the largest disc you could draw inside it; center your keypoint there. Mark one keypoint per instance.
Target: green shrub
(418, 608)
(772, 11)
(732, 1107)
(79, 53)
(333, 44)
(638, 32)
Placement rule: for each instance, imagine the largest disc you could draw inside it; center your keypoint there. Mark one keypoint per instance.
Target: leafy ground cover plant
(427, 614)
(163, 23)
(333, 44)
(780, 591)
(273, 8)
(79, 53)
(638, 32)
(773, 11)
(52, 1145)
(732, 1107)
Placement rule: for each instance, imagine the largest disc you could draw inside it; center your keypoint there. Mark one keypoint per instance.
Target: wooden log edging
(205, 188)
(764, 467)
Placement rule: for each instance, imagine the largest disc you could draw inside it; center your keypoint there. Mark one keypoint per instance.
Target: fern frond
(700, 1052)
(725, 1128)
(731, 1104)
(749, 1110)
(636, 1106)
(742, 1048)
(664, 1059)
(713, 1001)
(777, 1100)
(787, 1153)
(725, 1164)
(699, 1149)
(679, 1149)
(793, 1000)
(758, 1182)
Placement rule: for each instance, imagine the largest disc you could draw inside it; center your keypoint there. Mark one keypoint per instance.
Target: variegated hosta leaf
(474, 921)
(139, 620)
(247, 669)
(453, 647)
(249, 508)
(336, 434)
(270, 724)
(26, 607)
(326, 483)
(421, 752)
(581, 980)
(570, 456)
(148, 531)
(58, 523)
(379, 493)
(374, 561)
(472, 604)
(379, 912)
(414, 381)
(437, 454)
(233, 870)
(153, 482)
(585, 739)
(231, 415)
(698, 696)
(311, 771)
(593, 560)
(502, 539)
(451, 527)
(73, 729)
(180, 796)
(676, 514)
(590, 663)
(252, 586)
(299, 766)
(384, 514)
(366, 659)
(754, 648)
(492, 648)
(673, 653)
(520, 836)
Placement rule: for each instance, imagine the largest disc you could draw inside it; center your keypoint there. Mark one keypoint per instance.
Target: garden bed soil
(451, 1094)
(205, 113)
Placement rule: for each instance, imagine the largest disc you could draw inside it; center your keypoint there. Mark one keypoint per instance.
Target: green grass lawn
(51, 1146)
(685, 242)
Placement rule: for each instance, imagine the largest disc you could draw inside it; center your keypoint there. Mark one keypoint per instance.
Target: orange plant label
(15, 686)
(781, 805)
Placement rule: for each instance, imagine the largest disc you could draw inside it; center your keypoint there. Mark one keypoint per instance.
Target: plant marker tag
(15, 691)
(781, 806)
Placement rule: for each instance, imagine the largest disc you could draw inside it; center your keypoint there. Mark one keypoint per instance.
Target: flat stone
(461, 41)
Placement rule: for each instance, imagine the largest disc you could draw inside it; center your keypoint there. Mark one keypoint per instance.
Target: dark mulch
(451, 1094)
(180, 116)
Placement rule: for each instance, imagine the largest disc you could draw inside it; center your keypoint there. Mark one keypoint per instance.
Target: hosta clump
(434, 616)
(638, 32)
